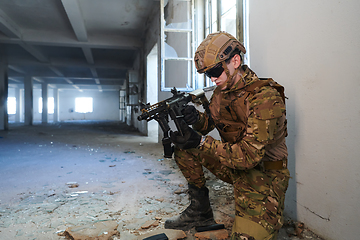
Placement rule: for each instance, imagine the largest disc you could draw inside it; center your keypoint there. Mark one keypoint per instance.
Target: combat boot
(198, 213)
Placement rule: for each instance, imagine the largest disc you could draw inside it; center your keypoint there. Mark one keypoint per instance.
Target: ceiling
(72, 44)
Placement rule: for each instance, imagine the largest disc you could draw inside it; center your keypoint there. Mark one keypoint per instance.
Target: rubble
(72, 184)
(149, 224)
(137, 195)
(221, 234)
(95, 231)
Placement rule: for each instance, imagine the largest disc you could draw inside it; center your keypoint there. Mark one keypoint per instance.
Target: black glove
(191, 115)
(191, 138)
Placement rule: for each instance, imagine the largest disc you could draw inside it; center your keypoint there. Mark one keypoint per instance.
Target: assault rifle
(173, 107)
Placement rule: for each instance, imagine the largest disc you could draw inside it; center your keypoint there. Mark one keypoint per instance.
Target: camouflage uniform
(252, 154)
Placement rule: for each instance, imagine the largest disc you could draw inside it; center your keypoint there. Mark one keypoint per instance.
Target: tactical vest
(230, 110)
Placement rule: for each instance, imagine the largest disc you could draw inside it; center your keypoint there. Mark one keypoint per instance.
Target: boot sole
(187, 226)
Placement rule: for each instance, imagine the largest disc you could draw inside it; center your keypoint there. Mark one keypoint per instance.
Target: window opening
(11, 105)
(211, 16)
(177, 48)
(228, 16)
(233, 19)
(50, 105)
(84, 104)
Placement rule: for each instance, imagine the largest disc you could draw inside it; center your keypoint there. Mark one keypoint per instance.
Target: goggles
(215, 71)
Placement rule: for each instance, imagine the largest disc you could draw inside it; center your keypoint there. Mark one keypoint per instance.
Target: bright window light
(83, 104)
(11, 105)
(40, 105)
(50, 105)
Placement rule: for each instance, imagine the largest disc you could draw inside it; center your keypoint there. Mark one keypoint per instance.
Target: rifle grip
(168, 149)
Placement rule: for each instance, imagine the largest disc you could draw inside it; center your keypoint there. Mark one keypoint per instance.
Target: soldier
(249, 114)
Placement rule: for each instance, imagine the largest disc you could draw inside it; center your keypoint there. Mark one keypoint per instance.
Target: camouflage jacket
(250, 118)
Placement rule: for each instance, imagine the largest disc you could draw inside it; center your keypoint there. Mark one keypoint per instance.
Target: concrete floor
(118, 175)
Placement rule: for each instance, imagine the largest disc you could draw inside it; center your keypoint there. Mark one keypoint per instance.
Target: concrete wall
(152, 88)
(152, 36)
(136, 76)
(106, 105)
(313, 49)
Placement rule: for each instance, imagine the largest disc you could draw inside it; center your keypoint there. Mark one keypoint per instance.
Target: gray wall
(313, 49)
(152, 37)
(106, 105)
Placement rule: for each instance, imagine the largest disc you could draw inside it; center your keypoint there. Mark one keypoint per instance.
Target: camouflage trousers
(259, 194)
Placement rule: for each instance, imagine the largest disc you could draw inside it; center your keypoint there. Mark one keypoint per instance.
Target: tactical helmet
(217, 47)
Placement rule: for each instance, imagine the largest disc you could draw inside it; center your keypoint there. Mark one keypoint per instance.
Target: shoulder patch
(267, 104)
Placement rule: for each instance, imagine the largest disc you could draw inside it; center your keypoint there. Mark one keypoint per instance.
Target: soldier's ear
(236, 60)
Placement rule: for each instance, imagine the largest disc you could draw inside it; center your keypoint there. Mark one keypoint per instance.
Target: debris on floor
(94, 231)
(133, 199)
(221, 234)
(72, 184)
(149, 224)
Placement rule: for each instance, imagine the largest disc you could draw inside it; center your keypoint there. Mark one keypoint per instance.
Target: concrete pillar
(18, 101)
(28, 85)
(56, 105)
(22, 105)
(4, 121)
(44, 93)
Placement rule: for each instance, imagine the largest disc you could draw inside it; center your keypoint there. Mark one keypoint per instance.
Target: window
(11, 105)
(84, 105)
(50, 104)
(211, 22)
(178, 41)
(226, 11)
(177, 48)
(229, 16)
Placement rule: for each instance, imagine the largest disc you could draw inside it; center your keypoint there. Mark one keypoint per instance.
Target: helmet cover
(216, 47)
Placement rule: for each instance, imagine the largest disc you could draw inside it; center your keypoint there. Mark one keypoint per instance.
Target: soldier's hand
(191, 115)
(190, 139)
